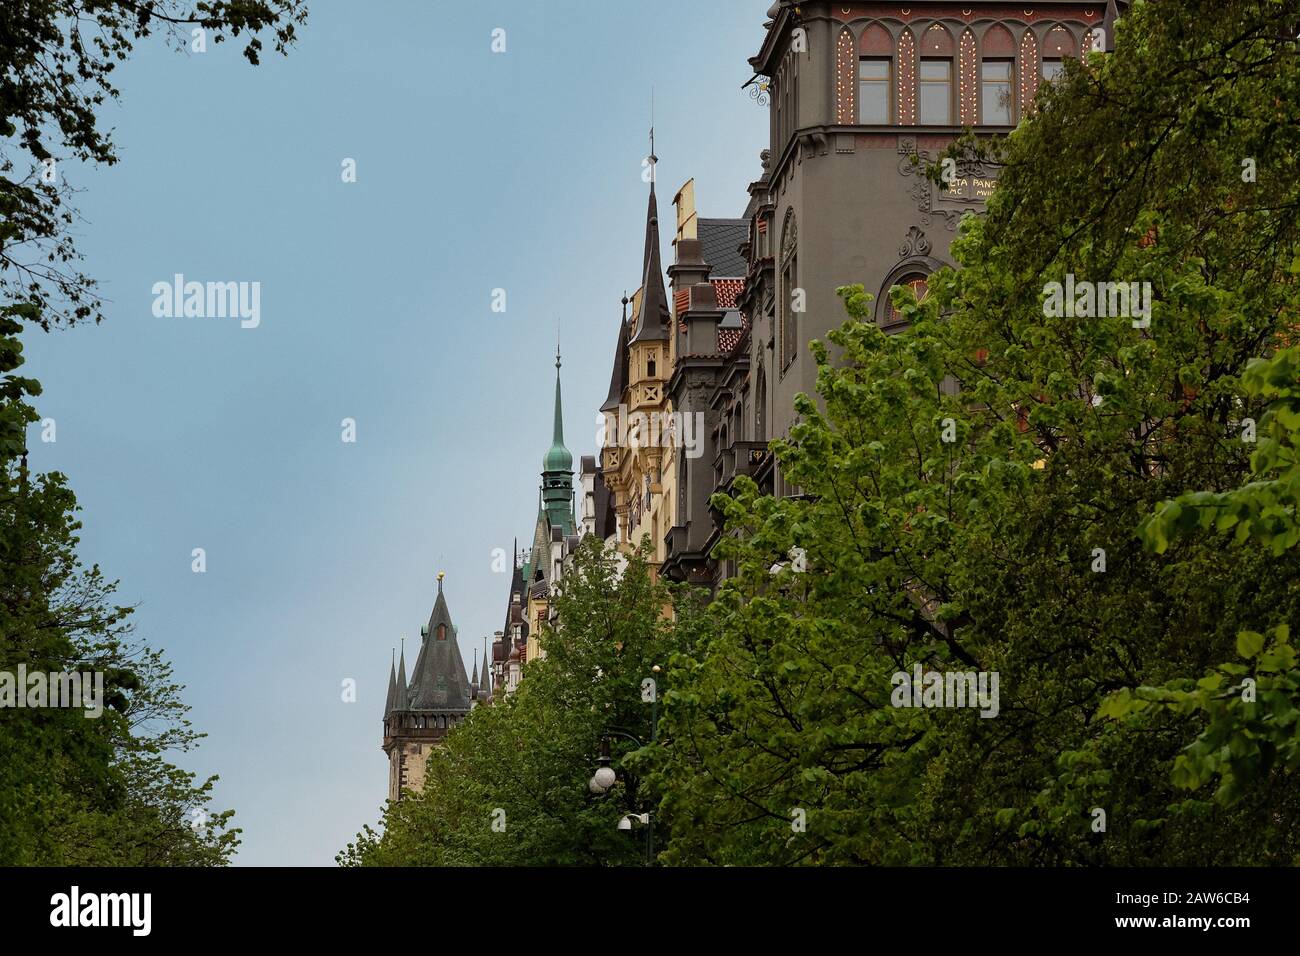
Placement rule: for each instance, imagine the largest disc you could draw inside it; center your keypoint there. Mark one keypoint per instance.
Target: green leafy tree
(73, 790)
(971, 490)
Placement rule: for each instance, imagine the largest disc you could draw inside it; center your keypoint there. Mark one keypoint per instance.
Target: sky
(475, 171)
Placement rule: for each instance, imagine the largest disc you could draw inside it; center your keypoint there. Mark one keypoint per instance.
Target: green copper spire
(557, 469)
(558, 458)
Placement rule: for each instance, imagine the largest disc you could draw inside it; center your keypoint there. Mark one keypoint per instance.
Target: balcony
(738, 458)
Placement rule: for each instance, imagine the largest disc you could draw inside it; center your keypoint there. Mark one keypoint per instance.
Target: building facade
(862, 96)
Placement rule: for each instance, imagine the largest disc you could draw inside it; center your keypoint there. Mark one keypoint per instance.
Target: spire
(392, 685)
(486, 691)
(439, 681)
(473, 684)
(618, 376)
(557, 438)
(400, 701)
(652, 321)
(557, 470)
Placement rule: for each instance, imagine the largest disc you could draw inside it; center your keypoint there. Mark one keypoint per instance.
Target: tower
(638, 421)
(417, 716)
(557, 468)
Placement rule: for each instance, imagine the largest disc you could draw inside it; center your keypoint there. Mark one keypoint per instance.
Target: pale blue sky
(475, 171)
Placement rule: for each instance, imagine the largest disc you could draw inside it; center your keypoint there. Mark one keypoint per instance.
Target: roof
(558, 458)
(618, 376)
(438, 680)
(652, 321)
(721, 240)
(730, 331)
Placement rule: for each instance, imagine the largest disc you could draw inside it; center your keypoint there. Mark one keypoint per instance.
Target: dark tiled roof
(618, 374)
(721, 239)
(652, 322)
(438, 681)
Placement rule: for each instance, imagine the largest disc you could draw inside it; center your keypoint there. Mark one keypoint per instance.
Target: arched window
(997, 77)
(919, 284)
(789, 285)
(442, 632)
(1057, 45)
(934, 77)
(760, 408)
(875, 76)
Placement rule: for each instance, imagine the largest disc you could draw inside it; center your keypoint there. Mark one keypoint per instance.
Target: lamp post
(605, 777)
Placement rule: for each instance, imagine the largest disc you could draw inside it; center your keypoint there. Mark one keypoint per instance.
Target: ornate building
(857, 91)
(418, 714)
(636, 411)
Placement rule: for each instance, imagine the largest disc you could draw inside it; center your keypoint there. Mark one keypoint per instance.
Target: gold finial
(441, 575)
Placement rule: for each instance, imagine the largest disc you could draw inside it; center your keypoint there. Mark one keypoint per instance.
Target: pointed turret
(618, 375)
(652, 320)
(392, 685)
(473, 683)
(401, 700)
(485, 691)
(438, 680)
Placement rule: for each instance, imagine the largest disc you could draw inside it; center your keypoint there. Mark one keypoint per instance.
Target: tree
(73, 790)
(56, 69)
(973, 486)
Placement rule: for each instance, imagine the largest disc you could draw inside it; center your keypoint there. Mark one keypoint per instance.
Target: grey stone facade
(841, 202)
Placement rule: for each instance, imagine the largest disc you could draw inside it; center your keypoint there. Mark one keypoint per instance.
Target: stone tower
(439, 696)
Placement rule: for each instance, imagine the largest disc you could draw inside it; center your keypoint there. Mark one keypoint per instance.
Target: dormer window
(442, 632)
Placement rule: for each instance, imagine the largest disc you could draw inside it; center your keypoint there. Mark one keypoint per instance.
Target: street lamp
(604, 777)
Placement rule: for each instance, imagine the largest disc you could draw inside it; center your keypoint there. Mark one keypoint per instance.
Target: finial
(441, 575)
(557, 344)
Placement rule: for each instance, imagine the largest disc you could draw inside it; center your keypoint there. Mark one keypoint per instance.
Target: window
(789, 284)
(919, 286)
(873, 91)
(995, 93)
(650, 367)
(442, 632)
(934, 96)
(1051, 70)
(790, 327)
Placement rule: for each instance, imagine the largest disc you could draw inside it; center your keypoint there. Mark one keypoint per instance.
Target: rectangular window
(873, 91)
(790, 327)
(1051, 70)
(934, 93)
(995, 93)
